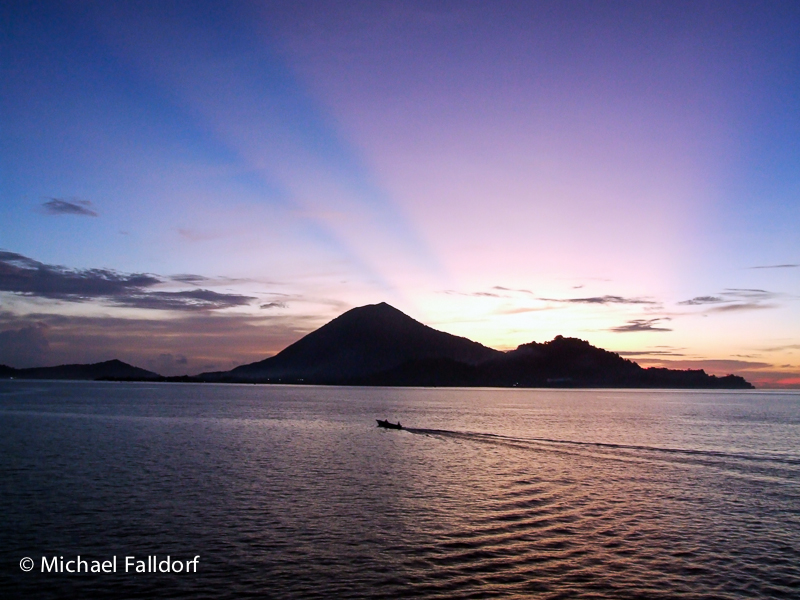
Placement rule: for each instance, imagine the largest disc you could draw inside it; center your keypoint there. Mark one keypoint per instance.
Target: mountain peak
(363, 341)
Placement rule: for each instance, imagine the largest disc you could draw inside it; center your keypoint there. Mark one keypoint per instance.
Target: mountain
(110, 369)
(379, 345)
(359, 343)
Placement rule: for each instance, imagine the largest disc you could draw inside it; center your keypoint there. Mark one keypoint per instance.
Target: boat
(388, 425)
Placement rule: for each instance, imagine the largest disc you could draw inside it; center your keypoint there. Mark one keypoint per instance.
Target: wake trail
(497, 438)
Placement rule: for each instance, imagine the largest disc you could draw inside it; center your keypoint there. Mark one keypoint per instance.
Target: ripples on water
(292, 492)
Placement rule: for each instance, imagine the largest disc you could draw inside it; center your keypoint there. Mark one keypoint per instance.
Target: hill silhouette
(359, 343)
(562, 362)
(110, 369)
(379, 345)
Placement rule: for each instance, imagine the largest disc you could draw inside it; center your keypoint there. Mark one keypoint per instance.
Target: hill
(110, 369)
(379, 345)
(359, 343)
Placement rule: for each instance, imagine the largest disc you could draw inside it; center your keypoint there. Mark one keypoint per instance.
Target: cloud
(189, 278)
(788, 266)
(22, 275)
(600, 300)
(782, 348)
(638, 325)
(524, 309)
(59, 206)
(741, 306)
(734, 299)
(505, 289)
(273, 305)
(186, 300)
(25, 276)
(474, 294)
(23, 347)
(699, 300)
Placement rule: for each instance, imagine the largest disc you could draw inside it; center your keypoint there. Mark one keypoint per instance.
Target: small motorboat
(388, 425)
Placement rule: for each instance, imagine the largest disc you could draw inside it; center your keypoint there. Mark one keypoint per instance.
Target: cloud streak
(27, 277)
(59, 206)
(787, 266)
(734, 300)
(600, 300)
(639, 325)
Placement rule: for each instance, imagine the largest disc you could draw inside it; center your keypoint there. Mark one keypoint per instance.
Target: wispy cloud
(185, 300)
(269, 305)
(524, 309)
(787, 266)
(25, 276)
(189, 278)
(783, 348)
(505, 289)
(734, 299)
(474, 294)
(700, 300)
(638, 325)
(600, 300)
(60, 206)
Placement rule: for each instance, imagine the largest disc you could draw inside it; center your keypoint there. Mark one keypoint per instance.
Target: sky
(190, 186)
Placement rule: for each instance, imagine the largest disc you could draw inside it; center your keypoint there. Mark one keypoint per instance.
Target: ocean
(258, 491)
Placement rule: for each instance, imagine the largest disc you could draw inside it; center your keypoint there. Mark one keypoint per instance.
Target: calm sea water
(293, 492)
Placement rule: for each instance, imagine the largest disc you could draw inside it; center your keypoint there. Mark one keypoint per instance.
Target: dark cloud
(22, 275)
(59, 206)
(24, 347)
(186, 300)
(699, 300)
(789, 266)
(637, 325)
(600, 300)
(269, 305)
(189, 278)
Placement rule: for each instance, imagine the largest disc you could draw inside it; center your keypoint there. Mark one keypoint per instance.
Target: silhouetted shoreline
(377, 345)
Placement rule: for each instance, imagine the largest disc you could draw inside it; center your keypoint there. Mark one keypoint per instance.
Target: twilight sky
(191, 186)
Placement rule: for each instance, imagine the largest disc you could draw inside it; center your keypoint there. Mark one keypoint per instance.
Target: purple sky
(192, 186)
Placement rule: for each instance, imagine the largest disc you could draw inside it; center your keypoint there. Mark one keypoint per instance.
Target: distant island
(378, 345)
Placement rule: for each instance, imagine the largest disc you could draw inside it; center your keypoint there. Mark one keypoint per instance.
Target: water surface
(293, 492)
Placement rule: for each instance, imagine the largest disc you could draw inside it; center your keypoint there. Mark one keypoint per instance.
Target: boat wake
(561, 444)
